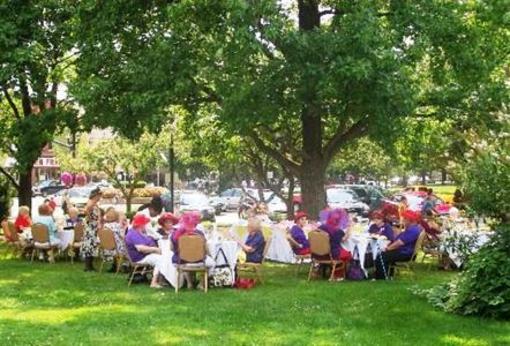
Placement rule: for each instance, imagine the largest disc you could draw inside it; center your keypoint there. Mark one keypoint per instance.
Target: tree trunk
(423, 178)
(313, 167)
(25, 189)
(444, 176)
(290, 200)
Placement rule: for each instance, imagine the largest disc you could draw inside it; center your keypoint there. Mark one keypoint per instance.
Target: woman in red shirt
(23, 220)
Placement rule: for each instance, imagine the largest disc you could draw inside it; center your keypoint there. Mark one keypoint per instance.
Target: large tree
(321, 73)
(35, 55)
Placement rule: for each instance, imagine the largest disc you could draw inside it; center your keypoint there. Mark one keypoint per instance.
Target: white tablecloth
(362, 242)
(168, 269)
(279, 249)
(66, 238)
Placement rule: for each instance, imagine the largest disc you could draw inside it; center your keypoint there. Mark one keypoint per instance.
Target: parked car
(415, 201)
(229, 199)
(346, 199)
(196, 201)
(368, 194)
(47, 187)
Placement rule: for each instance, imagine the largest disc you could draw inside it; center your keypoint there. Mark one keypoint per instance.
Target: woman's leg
(154, 281)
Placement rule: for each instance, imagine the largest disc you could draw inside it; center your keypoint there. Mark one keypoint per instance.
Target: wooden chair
(107, 243)
(300, 259)
(320, 249)
(41, 239)
(192, 253)
(136, 268)
(14, 244)
(408, 266)
(79, 231)
(256, 268)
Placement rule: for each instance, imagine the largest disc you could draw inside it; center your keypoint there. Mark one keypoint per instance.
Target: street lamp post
(172, 169)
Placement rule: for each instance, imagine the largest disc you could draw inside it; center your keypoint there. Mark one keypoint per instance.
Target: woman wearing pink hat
(188, 226)
(143, 249)
(337, 221)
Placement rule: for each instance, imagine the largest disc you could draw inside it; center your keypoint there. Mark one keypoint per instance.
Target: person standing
(92, 217)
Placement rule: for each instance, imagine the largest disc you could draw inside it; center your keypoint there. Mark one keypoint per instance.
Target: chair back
(79, 230)
(419, 244)
(319, 243)
(13, 231)
(40, 233)
(266, 249)
(192, 248)
(106, 239)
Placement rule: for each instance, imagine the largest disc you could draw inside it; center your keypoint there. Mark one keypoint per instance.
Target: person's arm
(245, 247)
(147, 249)
(395, 245)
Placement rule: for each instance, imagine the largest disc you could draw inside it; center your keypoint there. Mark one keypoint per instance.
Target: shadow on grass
(60, 304)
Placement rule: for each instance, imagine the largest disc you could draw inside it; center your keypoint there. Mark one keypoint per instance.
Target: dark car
(48, 187)
(368, 194)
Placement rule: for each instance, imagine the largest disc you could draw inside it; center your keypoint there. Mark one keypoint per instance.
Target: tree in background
(36, 44)
(134, 158)
(322, 73)
(364, 159)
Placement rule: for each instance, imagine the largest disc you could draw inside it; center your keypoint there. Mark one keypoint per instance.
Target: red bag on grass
(244, 283)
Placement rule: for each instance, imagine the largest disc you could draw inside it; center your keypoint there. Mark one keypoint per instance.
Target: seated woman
(167, 221)
(430, 226)
(73, 218)
(45, 217)
(141, 248)
(255, 242)
(402, 248)
(23, 220)
(188, 226)
(381, 226)
(298, 235)
(111, 221)
(337, 220)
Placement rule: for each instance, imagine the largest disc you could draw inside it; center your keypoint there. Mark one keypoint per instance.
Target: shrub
(483, 289)
(5, 198)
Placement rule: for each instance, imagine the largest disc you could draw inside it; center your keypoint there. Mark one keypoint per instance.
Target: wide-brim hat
(140, 220)
(410, 215)
(168, 217)
(299, 215)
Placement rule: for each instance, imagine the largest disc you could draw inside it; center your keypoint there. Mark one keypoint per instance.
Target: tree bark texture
(25, 189)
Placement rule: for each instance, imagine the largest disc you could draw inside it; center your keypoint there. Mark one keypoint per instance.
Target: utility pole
(172, 169)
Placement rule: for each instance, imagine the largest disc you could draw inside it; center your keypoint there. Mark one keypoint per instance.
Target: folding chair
(300, 259)
(321, 250)
(41, 238)
(192, 254)
(136, 268)
(256, 268)
(79, 231)
(408, 266)
(107, 243)
(12, 238)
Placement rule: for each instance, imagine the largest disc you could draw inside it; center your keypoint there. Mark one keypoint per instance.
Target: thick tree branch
(11, 102)
(358, 129)
(25, 98)
(10, 177)
(275, 154)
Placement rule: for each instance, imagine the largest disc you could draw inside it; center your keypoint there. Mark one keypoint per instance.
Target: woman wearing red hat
(402, 248)
(167, 221)
(380, 226)
(298, 235)
(143, 249)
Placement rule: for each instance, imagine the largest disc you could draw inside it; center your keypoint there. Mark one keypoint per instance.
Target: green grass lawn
(43, 304)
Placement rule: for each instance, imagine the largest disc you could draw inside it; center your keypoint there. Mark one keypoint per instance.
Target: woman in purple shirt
(402, 248)
(300, 243)
(141, 248)
(337, 221)
(255, 243)
(380, 226)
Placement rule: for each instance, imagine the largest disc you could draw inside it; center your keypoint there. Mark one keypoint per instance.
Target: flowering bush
(483, 289)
